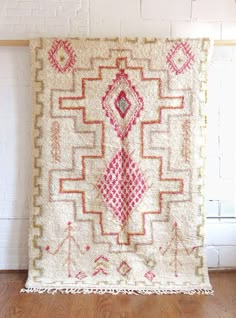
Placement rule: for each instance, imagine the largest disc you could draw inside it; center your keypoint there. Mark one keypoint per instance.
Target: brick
(44, 13)
(227, 208)
(227, 162)
(145, 28)
(18, 12)
(2, 210)
(32, 20)
(212, 208)
(104, 27)
(212, 256)
(114, 9)
(166, 10)
(227, 256)
(13, 258)
(68, 5)
(214, 10)
(79, 26)
(13, 31)
(227, 189)
(55, 21)
(221, 54)
(9, 20)
(10, 4)
(220, 233)
(81, 30)
(57, 30)
(18, 227)
(196, 29)
(37, 29)
(213, 167)
(85, 5)
(27, 5)
(45, 4)
(11, 104)
(213, 188)
(20, 29)
(68, 10)
(13, 233)
(214, 99)
(27, 19)
(80, 20)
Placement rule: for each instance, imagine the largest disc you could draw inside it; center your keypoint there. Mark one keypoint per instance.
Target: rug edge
(114, 291)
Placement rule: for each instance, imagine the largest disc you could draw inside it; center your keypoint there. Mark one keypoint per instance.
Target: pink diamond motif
(124, 268)
(81, 275)
(122, 185)
(180, 58)
(122, 104)
(149, 275)
(62, 56)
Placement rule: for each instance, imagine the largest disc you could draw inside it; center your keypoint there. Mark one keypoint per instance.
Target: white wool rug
(119, 137)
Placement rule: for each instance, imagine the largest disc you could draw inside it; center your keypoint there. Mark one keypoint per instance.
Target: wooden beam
(26, 43)
(225, 43)
(14, 42)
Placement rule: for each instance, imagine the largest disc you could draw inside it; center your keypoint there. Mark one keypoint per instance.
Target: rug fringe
(117, 291)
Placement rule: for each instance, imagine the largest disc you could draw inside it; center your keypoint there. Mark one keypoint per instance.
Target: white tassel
(116, 291)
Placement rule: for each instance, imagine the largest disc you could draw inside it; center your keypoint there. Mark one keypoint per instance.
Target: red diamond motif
(81, 275)
(122, 185)
(124, 268)
(150, 275)
(62, 56)
(180, 58)
(122, 104)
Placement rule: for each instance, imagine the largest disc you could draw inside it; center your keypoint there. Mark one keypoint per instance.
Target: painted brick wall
(182, 18)
(23, 19)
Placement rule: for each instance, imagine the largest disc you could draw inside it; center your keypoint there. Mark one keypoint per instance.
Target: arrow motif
(101, 264)
(175, 242)
(70, 240)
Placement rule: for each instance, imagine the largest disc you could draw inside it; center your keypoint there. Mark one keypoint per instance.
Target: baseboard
(222, 269)
(11, 271)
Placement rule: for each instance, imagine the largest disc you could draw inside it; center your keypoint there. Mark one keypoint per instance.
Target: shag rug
(118, 166)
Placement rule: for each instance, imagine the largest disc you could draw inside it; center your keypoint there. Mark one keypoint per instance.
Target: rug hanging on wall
(118, 201)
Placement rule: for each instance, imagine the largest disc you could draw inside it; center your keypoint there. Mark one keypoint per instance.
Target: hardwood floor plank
(16, 305)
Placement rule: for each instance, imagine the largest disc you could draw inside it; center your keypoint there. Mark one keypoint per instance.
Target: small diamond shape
(124, 268)
(122, 104)
(81, 275)
(150, 275)
(180, 58)
(62, 56)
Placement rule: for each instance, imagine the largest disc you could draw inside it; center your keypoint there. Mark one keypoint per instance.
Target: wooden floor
(14, 304)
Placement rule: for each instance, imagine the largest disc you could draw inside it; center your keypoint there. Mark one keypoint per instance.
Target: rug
(118, 197)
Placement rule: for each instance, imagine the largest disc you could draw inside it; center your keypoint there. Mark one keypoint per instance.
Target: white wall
(169, 18)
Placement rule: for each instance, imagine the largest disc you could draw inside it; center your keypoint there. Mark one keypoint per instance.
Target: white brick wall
(166, 10)
(191, 18)
(23, 19)
(33, 18)
(213, 10)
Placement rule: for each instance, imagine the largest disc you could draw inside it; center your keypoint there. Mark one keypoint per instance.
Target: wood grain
(14, 304)
(26, 42)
